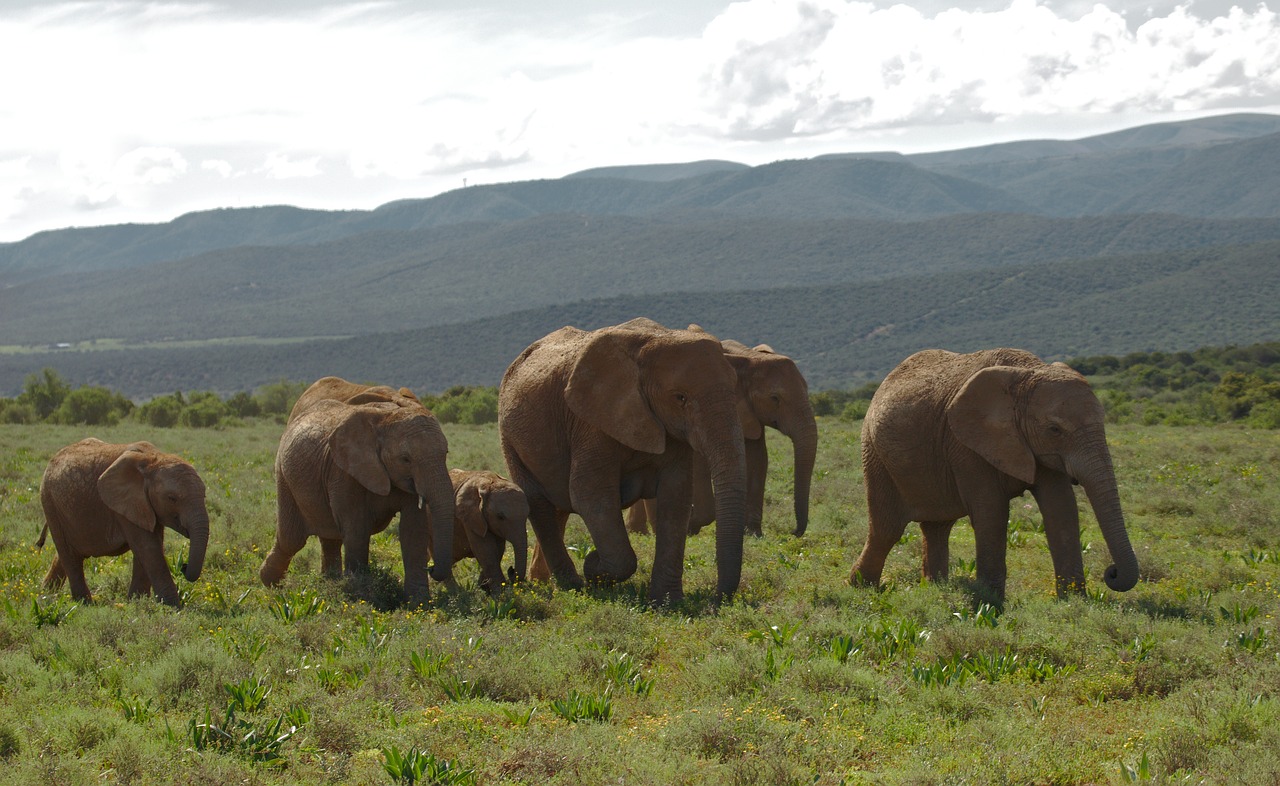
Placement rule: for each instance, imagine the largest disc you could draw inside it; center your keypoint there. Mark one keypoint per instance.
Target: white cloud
(354, 104)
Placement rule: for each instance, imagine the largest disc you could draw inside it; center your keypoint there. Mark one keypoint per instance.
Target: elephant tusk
(422, 503)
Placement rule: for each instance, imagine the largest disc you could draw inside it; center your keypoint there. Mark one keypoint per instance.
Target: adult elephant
(343, 471)
(949, 435)
(774, 394)
(592, 421)
(490, 512)
(102, 500)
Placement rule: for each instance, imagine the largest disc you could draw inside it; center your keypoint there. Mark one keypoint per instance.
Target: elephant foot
(270, 573)
(666, 598)
(598, 573)
(859, 577)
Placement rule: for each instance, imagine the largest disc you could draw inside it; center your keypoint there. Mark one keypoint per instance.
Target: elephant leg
(937, 549)
(886, 521)
(355, 551)
(140, 585)
(638, 517)
(148, 550)
(990, 521)
(414, 539)
(74, 570)
(291, 536)
(670, 531)
(1057, 501)
(550, 557)
(757, 472)
(56, 576)
(331, 556)
(593, 492)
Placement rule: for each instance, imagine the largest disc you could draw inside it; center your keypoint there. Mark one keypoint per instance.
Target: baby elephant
(489, 512)
(101, 500)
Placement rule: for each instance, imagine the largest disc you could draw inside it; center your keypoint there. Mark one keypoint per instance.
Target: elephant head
(490, 512)
(643, 384)
(153, 489)
(777, 395)
(1021, 419)
(386, 446)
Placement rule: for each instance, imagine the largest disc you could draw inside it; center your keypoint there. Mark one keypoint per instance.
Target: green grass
(802, 679)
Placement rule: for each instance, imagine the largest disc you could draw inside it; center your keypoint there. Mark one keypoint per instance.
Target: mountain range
(1159, 237)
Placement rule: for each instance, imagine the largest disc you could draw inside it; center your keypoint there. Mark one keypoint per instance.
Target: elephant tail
(40, 540)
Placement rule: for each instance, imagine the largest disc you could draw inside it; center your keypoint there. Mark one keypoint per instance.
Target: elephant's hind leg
(56, 577)
(331, 556)
(937, 549)
(141, 582)
(291, 536)
(886, 521)
(550, 557)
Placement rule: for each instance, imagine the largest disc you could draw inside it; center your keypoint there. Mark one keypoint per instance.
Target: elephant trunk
(804, 445)
(197, 524)
(435, 489)
(520, 545)
(721, 444)
(1099, 482)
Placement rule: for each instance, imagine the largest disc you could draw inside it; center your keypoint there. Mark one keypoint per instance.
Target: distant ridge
(849, 261)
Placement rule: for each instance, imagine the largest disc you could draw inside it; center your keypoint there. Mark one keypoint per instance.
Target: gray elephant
(590, 422)
(490, 512)
(102, 500)
(343, 471)
(775, 394)
(950, 435)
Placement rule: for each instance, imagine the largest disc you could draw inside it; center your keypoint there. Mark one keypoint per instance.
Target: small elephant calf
(490, 512)
(101, 500)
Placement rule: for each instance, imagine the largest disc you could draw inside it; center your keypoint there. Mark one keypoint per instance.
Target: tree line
(1204, 386)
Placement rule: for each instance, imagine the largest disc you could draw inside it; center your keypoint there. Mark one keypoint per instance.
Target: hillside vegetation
(1157, 238)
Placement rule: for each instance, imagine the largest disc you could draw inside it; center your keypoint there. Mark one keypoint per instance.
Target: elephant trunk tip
(1118, 582)
(801, 526)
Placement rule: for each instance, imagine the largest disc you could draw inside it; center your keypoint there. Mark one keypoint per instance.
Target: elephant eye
(680, 397)
(502, 517)
(1055, 429)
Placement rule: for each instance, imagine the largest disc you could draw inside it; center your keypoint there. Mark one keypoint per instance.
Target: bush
(162, 411)
(92, 406)
(465, 404)
(204, 410)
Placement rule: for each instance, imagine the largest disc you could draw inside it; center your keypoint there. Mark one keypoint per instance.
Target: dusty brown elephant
(102, 500)
(950, 435)
(490, 512)
(338, 389)
(344, 470)
(775, 394)
(592, 421)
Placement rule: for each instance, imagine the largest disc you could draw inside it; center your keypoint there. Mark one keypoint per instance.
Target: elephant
(776, 394)
(338, 389)
(490, 512)
(591, 421)
(102, 500)
(344, 470)
(948, 435)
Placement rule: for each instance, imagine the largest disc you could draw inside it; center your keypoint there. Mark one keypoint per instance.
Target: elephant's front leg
(990, 518)
(550, 557)
(886, 521)
(140, 585)
(594, 494)
(414, 540)
(148, 551)
(670, 529)
(331, 556)
(1057, 500)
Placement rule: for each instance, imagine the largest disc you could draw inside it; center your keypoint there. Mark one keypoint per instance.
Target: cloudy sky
(122, 111)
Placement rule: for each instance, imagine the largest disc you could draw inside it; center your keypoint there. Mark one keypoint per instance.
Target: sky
(120, 111)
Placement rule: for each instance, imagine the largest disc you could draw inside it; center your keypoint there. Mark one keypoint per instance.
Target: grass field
(802, 679)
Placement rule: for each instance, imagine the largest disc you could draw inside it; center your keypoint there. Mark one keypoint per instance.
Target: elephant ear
(123, 488)
(354, 446)
(983, 417)
(468, 507)
(752, 427)
(765, 348)
(604, 390)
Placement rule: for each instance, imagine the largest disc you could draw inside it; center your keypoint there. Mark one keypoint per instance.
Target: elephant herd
(669, 423)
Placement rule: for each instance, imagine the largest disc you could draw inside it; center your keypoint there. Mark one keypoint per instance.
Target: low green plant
(416, 766)
(294, 606)
(623, 670)
(456, 688)
(236, 735)
(1137, 773)
(841, 648)
(427, 664)
(518, 717)
(135, 709)
(580, 706)
(248, 694)
(51, 614)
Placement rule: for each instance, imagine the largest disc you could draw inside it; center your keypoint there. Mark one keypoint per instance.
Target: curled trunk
(1099, 482)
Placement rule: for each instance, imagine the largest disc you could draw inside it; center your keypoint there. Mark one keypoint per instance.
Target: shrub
(162, 411)
(92, 406)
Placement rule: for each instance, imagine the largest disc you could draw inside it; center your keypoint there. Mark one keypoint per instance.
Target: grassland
(800, 680)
